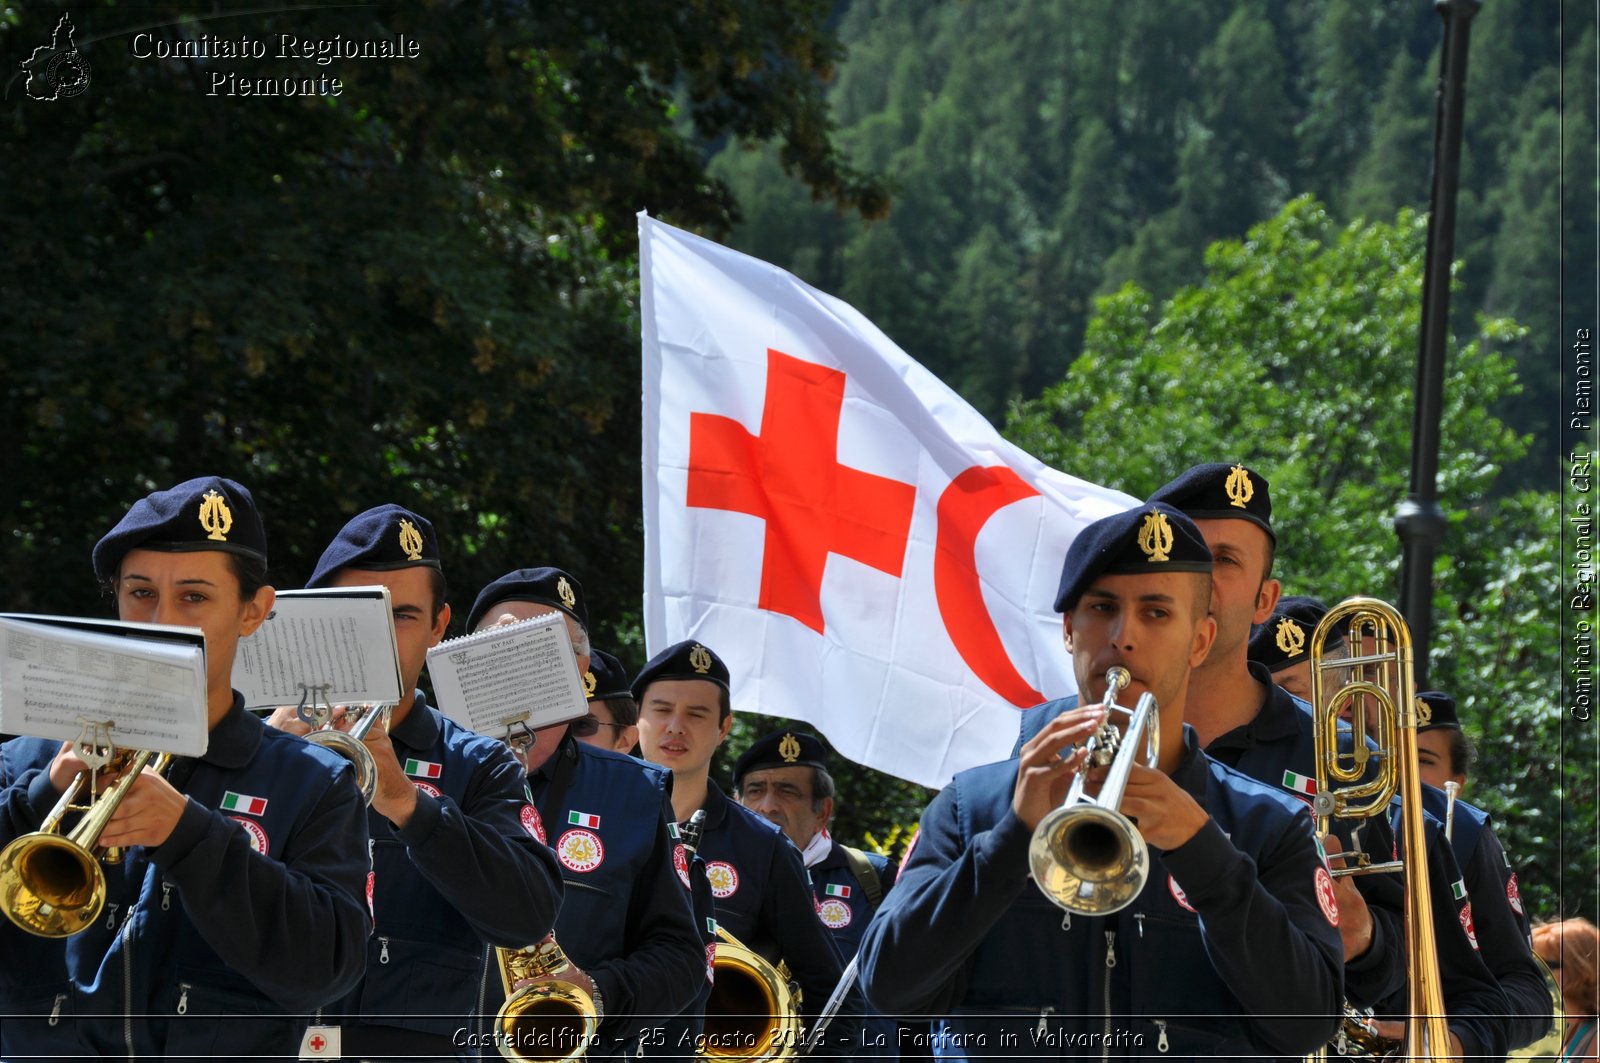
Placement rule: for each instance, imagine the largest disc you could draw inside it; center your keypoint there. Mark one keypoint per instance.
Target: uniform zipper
(1111, 962)
(383, 950)
(127, 979)
(1161, 1041)
(55, 1011)
(166, 896)
(1044, 1020)
(183, 998)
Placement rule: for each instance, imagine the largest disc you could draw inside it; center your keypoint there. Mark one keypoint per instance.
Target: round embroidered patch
(427, 788)
(724, 878)
(1466, 924)
(835, 913)
(1179, 896)
(372, 880)
(580, 850)
(533, 824)
(1326, 898)
(680, 864)
(1513, 895)
(711, 963)
(258, 837)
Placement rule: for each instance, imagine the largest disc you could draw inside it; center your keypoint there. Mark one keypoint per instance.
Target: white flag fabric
(861, 547)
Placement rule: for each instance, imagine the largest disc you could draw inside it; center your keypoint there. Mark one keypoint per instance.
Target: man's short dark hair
(441, 591)
(624, 710)
(822, 788)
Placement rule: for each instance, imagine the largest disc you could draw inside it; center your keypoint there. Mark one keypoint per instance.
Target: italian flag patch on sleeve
(250, 806)
(836, 891)
(583, 819)
(423, 769)
(1300, 784)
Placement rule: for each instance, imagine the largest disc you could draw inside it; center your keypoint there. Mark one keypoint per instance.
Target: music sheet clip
(315, 713)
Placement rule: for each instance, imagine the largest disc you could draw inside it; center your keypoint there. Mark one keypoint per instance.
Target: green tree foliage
(1100, 142)
(1296, 355)
(422, 289)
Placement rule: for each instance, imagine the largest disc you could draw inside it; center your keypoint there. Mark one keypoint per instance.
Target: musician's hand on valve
(1043, 774)
(394, 795)
(287, 718)
(1165, 813)
(66, 767)
(1355, 920)
(147, 815)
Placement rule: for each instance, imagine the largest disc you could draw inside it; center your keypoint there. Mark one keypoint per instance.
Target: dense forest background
(1136, 234)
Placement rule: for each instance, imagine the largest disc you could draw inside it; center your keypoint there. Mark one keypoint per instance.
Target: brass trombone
(1086, 856)
(52, 885)
(545, 1018)
(1380, 675)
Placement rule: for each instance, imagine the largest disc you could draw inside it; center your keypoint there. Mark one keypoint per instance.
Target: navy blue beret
(1219, 491)
(1284, 638)
(208, 513)
(781, 749)
(384, 538)
(1438, 709)
(1145, 539)
(685, 660)
(606, 677)
(543, 586)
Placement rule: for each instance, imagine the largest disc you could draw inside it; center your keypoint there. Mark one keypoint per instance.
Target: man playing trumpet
(1231, 947)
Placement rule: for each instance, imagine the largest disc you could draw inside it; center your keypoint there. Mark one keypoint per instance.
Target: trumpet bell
(356, 752)
(1089, 860)
(50, 886)
(547, 1022)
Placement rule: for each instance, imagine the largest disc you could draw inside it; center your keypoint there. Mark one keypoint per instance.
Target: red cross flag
(859, 545)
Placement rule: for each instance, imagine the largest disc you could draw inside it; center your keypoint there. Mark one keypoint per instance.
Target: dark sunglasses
(584, 726)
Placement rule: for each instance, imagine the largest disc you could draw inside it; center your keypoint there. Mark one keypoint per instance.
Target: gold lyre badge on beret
(1424, 713)
(564, 592)
(700, 659)
(215, 516)
(789, 749)
(1155, 537)
(410, 540)
(1240, 489)
(589, 684)
(1291, 637)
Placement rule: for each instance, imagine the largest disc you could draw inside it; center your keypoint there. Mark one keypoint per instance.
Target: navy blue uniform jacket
(626, 920)
(466, 871)
(255, 912)
(1498, 916)
(1228, 951)
(843, 906)
(764, 898)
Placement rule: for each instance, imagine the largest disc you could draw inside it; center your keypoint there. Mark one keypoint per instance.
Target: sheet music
(58, 672)
(339, 640)
(497, 677)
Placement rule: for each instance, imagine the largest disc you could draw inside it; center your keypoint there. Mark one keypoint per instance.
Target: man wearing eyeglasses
(625, 921)
(613, 719)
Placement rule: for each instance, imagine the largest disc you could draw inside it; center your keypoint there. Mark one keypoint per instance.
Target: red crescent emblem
(533, 824)
(964, 508)
(680, 864)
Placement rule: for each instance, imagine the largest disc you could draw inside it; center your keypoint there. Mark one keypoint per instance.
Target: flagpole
(1420, 521)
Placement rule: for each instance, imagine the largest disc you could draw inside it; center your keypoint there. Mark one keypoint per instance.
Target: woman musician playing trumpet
(220, 929)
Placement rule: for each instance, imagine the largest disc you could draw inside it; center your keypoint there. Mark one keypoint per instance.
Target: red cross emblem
(317, 1043)
(790, 476)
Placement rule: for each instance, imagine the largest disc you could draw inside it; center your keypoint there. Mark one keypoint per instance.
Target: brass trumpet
(1378, 672)
(1086, 856)
(545, 1019)
(51, 885)
(348, 744)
